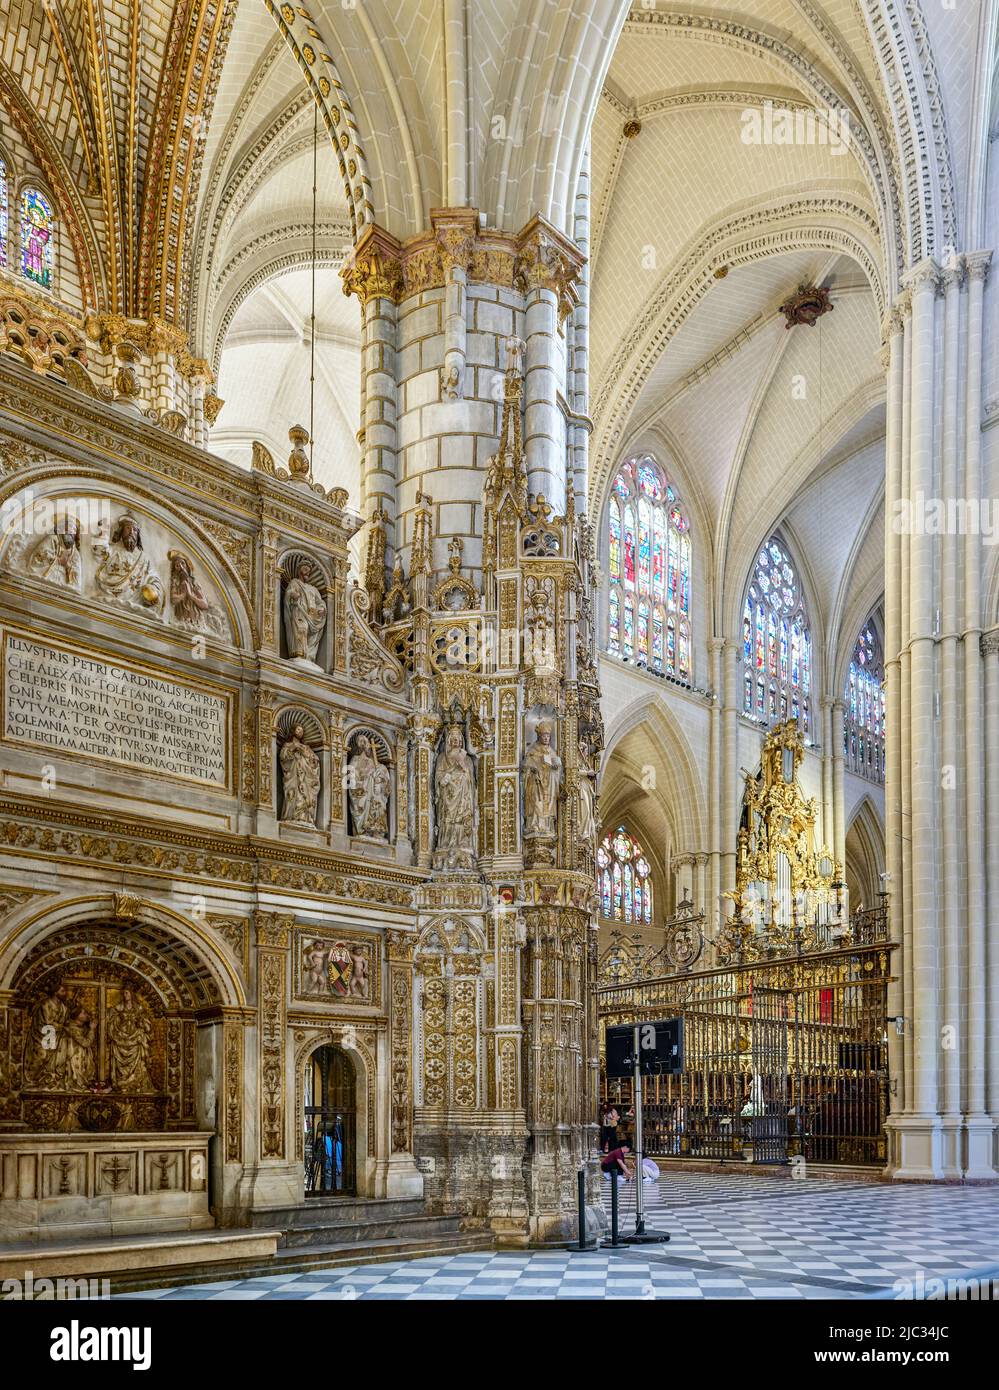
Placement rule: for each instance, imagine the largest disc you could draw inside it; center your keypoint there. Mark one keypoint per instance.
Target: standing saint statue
(542, 773)
(368, 786)
(300, 766)
(129, 1037)
(454, 804)
(587, 827)
(304, 615)
(46, 1057)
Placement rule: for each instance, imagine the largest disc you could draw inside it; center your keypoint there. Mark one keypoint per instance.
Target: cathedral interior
(498, 542)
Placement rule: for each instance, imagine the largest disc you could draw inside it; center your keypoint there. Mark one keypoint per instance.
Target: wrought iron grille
(782, 1057)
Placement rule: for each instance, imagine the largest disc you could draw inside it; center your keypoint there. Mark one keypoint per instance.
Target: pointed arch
(865, 854)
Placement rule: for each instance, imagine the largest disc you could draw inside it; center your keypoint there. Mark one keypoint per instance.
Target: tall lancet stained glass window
(864, 721)
(4, 214)
(37, 237)
(649, 563)
(624, 879)
(777, 645)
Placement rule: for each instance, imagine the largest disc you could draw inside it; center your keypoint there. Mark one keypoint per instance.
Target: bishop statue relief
(454, 804)
(542, 773)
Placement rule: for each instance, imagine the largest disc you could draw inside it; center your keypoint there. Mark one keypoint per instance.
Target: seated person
(617, 1160)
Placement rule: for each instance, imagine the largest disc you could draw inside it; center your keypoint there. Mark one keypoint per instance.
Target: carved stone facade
(354, 844)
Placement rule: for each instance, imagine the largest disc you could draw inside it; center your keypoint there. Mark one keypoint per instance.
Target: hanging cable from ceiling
(312, 316)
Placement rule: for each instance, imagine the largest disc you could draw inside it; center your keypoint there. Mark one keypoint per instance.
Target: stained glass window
(4, 215)
(615, 540)
(628, 643)
(776, 641)
(625, 879)
(615, 620)
(649, 554)
(864, 707)
(37, 231)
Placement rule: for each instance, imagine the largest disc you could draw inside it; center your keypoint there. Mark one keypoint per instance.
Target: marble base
(401, 1177)
(76, 1186)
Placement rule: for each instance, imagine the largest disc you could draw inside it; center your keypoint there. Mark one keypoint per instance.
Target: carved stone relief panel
(117, 553)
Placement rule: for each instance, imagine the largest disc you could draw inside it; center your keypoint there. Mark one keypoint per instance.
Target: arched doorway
(330, 1116)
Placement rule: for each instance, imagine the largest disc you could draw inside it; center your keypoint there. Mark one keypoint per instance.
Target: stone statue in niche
(304, 615)
(301, 770)
(129, 1038)
(587, 828)
(542, 772)
(368, 785)
(397, 601)
(454, 804)
(191, 607)
(125, 574)
(56, 558)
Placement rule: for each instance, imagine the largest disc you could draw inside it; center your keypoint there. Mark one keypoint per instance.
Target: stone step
(339, 1255)
(321, 1232)
(113, 1257)
(337, 1212)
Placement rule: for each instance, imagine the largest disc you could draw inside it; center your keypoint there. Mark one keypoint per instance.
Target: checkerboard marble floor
(747, 1236)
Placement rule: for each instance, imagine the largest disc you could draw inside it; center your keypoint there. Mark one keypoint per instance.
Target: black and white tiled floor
(747, 1236)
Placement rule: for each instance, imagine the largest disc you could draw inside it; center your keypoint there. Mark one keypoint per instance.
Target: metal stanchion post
(614, 1239)
(639, 1205)
(581, 1206)
(641, 1237)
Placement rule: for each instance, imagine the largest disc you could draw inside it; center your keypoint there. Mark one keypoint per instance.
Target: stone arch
(812, 219)
(47, 482)
(164, 931)
(865, 854)
(74, 974)
(287, 249)
(362, 1052)
(784, 534)
(69, 198)
(734, 564)
(677, 776)
(914, 95)
(313, 54)
(208, 223)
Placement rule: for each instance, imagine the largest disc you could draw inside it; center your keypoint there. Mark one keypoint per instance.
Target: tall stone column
(979, 1127)
(826, 740)
(581, 345)
(374, 277)
(893, 699)
(278, 1177)
(939, 837)
(948, 625)
(990, 652)
(497, 638)
(836, 730)
(730, 762)
(716, 646)
(540, 271)
(401, 1177)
